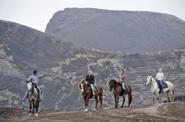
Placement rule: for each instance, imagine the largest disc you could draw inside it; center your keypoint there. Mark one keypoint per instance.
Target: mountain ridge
(126, 31)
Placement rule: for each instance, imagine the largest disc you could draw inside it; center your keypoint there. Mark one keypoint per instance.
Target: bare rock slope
(125, 31)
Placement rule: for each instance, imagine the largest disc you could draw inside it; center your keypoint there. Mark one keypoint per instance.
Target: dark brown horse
(118, 91)
(87, 94)
(33, 97)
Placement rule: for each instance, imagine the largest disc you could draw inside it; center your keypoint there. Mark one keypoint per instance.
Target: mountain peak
(111, 30)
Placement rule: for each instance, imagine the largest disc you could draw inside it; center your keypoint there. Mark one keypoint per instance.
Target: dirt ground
(166, 112)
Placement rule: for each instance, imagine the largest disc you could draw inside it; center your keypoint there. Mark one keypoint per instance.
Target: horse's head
(148, 80)
(112, 84)
(82, 85)
(29, 85)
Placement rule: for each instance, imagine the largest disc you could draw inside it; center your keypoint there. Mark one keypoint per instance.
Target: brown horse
(118, 91)
(87, 94)
(33, 98)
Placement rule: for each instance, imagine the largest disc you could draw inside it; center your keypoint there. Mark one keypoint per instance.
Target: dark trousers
(160, 85)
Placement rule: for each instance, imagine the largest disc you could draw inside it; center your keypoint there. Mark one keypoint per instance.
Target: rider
(34, 78)
(160, 79)
(122, 79)
(90, 81)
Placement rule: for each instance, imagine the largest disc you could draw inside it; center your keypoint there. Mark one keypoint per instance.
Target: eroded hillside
(23, 49)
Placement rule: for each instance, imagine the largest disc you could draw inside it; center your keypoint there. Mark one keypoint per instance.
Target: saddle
(124, 91)
(91, 96)
(161, 87)
(164, 85)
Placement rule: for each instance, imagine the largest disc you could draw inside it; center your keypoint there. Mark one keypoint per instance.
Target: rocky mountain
(23, 49)
(125, 31)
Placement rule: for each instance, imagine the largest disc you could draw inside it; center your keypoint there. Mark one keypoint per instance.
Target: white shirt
(35, 78)
(160, 76)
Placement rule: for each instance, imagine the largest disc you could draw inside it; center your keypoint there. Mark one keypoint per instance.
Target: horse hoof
(36, 114)
(29, 114)
(86, 110)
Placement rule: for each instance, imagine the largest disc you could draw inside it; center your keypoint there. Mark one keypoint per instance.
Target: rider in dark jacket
(90, 81)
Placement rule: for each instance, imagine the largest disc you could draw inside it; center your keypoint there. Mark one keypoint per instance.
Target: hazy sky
(37, 13)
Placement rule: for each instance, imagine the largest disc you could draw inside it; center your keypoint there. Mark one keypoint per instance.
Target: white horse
(33, 97)
(155, 90)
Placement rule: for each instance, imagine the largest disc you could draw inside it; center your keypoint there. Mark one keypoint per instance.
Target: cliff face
(125, 31)
(23, 49)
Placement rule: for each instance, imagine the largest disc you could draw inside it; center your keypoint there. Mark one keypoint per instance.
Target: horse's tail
(173, 94)
(172, 91)
(130, 95)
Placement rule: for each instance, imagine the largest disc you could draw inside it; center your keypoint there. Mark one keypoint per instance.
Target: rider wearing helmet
(160, 79)
(34, 78)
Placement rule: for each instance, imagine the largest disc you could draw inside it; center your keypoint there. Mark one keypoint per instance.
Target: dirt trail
(156, 113)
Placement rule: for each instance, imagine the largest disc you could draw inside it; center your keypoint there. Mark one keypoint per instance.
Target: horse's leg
(86, 103)
(168, 96)
(172, 94)
(37, 107)
(36, 111)
(33, 106)
(129, 97)
(153, 100)
(30, 108)
(154, 95)
(117, 100)
(96, 104)
(123, 101)
(100, 100)
(157, 97)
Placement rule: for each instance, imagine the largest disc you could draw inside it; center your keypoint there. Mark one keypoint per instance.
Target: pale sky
(37, 13)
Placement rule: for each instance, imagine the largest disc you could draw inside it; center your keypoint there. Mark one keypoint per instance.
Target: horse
(155, 90)
(118, 91)
(33, 98)
(87, 94)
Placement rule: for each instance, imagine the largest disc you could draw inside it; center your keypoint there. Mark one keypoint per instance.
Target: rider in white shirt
(160, 78)
(34, 78)
(122, 79)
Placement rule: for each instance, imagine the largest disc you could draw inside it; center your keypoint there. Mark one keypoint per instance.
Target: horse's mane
(116, 82)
